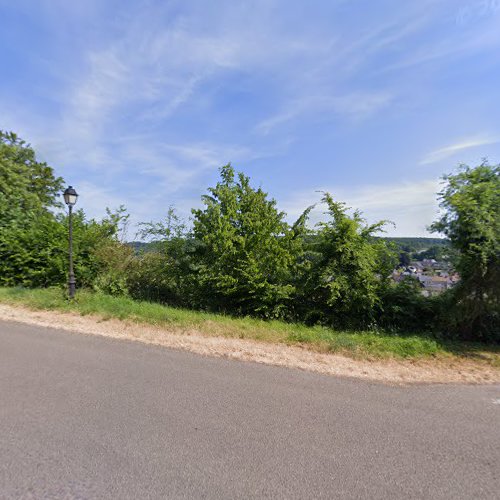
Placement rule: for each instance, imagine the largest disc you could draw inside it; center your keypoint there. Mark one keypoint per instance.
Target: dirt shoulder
(387, 371)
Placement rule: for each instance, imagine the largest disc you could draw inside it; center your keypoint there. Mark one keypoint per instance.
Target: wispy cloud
(451, 150)
(172, 166)
(355, 105)
(155, 67)
(144, 100)
(411, 206)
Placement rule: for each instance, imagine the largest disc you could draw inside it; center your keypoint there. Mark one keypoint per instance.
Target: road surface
(90, 417)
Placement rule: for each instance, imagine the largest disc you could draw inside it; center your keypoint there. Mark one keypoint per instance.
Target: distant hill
(415, 244)
(138, 246)
(409, 244)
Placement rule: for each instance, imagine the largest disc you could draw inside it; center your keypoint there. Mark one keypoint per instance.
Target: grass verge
(361, 344)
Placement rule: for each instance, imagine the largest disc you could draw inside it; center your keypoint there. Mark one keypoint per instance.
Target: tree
(405, 308)
(349, 269)
(470, 200)
(29, 251)
(102, 260)
(248, 254)
(163, 272)
(404, 259)
(33, 229)
(25, 182)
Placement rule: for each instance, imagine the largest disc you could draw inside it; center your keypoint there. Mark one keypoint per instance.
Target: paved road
(89, 417)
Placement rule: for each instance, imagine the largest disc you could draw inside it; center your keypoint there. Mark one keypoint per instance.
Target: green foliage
(434, 252)
(348, 271)
(404, 308)
(29, 234)
(404, 259)
(30, 250)
(471, 220)
(414, 245)
(419, 249)
(34, 233)
(360, 344)
(440, 253)
(26, 184)
(111, 259)
(241, 256)
(163, 271)
(248, 253)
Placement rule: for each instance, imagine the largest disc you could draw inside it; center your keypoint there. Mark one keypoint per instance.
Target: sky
(139, 102)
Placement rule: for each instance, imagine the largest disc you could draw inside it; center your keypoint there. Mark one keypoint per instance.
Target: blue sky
(139, 102)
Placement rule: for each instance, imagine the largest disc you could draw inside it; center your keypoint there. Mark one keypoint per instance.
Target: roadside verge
(392, 371)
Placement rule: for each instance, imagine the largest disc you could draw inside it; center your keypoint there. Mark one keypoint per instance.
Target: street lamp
(70, 197)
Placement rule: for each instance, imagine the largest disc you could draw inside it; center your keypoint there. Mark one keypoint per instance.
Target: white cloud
(412, 206)
(174, 166)
(117, 103)
(169, 174)
(354, 105)
(94, 199)
(149, 69)
(466, 42)
(451, 150)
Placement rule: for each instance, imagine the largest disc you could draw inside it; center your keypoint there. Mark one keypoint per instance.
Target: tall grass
(357, 344)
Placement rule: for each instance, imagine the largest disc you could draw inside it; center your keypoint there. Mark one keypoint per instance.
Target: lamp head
(70, 196)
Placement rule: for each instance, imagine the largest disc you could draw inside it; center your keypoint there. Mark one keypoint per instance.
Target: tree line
(240, 256)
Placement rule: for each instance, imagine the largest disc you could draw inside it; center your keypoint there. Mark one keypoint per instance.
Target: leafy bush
(247, 253)
(347, 272)
(241, 257)
(34, 230)
(404, 308)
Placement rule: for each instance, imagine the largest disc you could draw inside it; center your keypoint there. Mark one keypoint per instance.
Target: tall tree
(29, 253)
(349, 269)
(471, 220)
(25, 182)
(33, 231)
(248, 253)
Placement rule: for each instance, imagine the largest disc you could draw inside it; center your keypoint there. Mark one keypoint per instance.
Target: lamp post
(70, 197)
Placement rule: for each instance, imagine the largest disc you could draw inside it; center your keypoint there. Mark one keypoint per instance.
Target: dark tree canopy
(471, 220)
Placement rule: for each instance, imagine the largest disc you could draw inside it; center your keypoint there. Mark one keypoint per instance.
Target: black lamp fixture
(70, 197)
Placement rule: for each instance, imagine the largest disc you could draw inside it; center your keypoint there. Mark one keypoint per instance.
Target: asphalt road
(89, 417)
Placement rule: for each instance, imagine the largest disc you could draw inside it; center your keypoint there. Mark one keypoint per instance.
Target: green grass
(362, 344)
